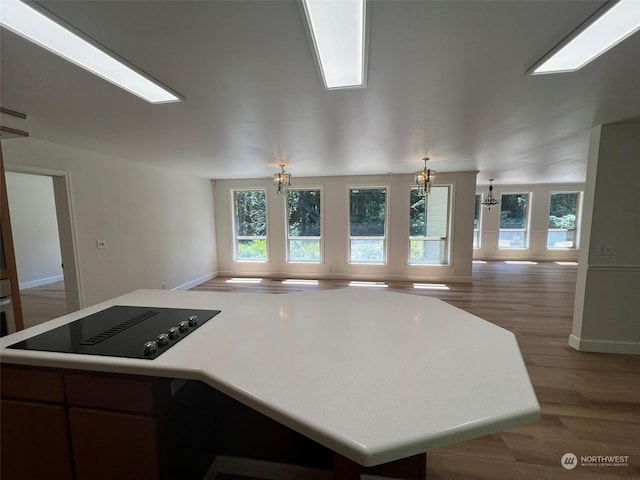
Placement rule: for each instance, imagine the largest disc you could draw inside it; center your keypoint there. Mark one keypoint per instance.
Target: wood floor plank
(597, 430)
(43, 303)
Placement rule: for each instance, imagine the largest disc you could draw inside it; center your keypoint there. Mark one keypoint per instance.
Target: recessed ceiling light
(593, 38)
(430, 286)
(36, 25)
(338, 30)
(356, 283)
(299, 281)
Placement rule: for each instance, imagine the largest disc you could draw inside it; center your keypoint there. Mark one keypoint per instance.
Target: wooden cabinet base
(35, 441)
(61, 424)
(108, 445)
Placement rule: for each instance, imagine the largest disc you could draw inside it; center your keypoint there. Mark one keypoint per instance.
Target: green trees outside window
(250, 219)
(563, 209)
(429, 227)
(514, 220)
(304, 230)
(367, 225)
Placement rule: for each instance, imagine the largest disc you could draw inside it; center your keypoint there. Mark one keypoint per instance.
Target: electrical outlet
(164, 286)
(605, 250)
(101, 243)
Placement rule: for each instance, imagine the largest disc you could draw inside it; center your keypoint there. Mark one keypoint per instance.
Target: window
(514, 220)
(563, 211)
(429, 227)
(367, 225)
(477, 218)
(304, 231)
(250, 229)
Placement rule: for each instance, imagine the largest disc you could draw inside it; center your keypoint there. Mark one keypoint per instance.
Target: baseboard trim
(614, 268)
(604, 346)
(40, 282)
(196, 282)
(350, 276)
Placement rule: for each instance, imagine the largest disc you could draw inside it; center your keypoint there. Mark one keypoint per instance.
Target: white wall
(35, 229)
(335, 212)
(607, 304)
(539, 199)
(158, 224)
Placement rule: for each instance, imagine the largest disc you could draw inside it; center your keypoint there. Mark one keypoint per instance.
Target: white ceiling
(445, 79)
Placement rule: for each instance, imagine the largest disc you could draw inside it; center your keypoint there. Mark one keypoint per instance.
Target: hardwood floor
(590, 402)
(40, 304)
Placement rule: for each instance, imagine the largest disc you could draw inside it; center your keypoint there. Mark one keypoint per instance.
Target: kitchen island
(373, 377)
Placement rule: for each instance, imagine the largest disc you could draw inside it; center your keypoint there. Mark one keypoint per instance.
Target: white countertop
(373, 375)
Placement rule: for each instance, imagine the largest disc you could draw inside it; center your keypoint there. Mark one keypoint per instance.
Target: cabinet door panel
(114, 446)
(35, 442)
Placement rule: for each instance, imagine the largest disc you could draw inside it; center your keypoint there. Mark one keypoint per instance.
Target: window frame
(527, 228)
(286, 223)
(385, 238)
(447, 239)
(578, 214)
(477, 245)
(234, 224)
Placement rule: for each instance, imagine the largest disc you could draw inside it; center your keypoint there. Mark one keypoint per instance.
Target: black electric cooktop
(121, 331)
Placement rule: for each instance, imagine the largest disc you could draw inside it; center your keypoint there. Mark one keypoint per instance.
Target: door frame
(66, 229)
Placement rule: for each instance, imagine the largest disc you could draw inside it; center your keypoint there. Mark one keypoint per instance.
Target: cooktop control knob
(193, 320)
(150, 348)
(183, 326)
(162, 339)
(173, 333)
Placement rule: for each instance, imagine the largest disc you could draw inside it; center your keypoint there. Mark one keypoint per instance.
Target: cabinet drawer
(129, 394)
(32, 384)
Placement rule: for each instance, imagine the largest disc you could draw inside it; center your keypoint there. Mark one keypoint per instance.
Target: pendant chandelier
(490, 201)
(424, 179)
(282, 180)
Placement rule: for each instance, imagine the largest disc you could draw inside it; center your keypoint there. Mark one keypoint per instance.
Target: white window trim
(480, 220)
(385, 239)
(448, 238)
(234, 237)
(286, 226)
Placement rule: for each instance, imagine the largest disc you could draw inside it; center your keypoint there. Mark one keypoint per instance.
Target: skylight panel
(244, 280)
(430, 286)
(356, 283)
(38, 28)
(612, 27)
(337, 29)
(299, 281)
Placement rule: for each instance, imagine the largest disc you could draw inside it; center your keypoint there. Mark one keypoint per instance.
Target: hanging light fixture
(282, 180)
(424, 179)
(490, 201)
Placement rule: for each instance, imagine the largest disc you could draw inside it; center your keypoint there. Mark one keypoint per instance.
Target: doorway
(44, 244)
